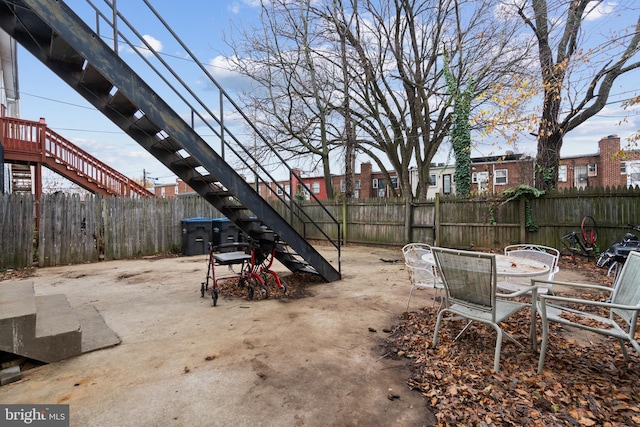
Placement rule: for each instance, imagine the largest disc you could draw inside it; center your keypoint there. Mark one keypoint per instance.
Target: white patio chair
(469, 280)
(543, 254)
(421, 273)
(623, 309)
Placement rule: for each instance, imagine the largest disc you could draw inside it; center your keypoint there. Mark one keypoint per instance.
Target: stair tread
(54, 316)
(16, 299)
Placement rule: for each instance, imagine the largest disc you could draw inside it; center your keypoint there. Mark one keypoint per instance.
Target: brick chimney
(609, 162)
(365, 180)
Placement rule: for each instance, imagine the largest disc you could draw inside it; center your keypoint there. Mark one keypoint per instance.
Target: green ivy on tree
(527, 192)
(461, 132)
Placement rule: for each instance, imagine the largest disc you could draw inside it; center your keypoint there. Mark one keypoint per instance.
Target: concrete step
(58, 335)
(46, 328)
(17, 314)
(16, 299)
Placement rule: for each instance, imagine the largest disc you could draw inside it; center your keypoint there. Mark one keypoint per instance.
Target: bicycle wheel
(589, 231)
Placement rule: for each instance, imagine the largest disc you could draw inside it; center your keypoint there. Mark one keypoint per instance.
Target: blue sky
(201, 25)
(43, 94)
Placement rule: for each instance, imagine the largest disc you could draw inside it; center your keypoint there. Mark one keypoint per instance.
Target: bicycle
(614, 257)
(583, 243)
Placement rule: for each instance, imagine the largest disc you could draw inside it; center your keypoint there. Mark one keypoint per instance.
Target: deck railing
(34, 141)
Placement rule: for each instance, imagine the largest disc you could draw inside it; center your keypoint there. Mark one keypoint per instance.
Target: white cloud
(253, 3)
(610, 121)
(222, 68)
(598, 10)
(143, 50)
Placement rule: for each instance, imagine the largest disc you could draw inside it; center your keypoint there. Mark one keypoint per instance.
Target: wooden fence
(16, 231)
(75, 230)
(487, 223)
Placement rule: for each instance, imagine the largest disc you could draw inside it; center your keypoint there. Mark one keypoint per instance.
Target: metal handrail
(214, 122)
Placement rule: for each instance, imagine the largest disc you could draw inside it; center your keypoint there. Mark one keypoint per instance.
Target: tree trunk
(547, 160)
(550, 132)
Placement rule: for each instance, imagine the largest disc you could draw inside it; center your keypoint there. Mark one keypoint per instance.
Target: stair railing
(36, 138)
(222, 135)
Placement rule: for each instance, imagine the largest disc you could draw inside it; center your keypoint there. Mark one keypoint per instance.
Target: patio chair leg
(409, 300)
(512, 339)
(543, 346)
(438, 324)
(436, 297)
(624, 349)
(496, 357)
(463, 330)
(532, 328)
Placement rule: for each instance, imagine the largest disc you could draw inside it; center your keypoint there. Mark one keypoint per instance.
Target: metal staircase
(205, 153)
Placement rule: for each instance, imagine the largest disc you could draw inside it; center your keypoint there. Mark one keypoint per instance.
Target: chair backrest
(627, 289)
(413, 253)
(469, 277)
(544, 254)
(421, 276)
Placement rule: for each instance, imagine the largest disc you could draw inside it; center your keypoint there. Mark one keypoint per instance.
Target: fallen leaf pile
(582, 384)
(14, 274)
(297, 286)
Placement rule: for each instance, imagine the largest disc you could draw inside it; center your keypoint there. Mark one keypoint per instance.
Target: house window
(592, 169)
(315, 187)
(375, 183)
(580, 176)
(623, 168)
(501, 177)
(562, 173)
(358, 184)
(343, 186)
(633, 173)
(279, 191)
(394, 182)
(446, 184)
(382, 191)
(432, 179)
(480, 178)
(356, 194)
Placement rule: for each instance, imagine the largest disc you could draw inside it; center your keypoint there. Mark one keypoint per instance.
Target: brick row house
(609, 167)
(368, 185)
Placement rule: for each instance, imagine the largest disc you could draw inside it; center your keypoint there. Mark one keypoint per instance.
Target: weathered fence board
(16, 231)
(74, 230)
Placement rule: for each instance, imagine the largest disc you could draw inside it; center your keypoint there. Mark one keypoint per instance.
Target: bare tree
(293, 89)
(565, 59)
(401, 103)
(366, 75)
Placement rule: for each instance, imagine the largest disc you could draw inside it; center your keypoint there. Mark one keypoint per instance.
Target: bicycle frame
(573, 243)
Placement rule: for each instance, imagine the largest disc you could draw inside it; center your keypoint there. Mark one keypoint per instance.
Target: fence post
(436, 221)
(344, 221)
(522, 219)
(408, 220)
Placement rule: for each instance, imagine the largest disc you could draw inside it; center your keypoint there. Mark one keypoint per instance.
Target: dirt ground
(313, 359)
